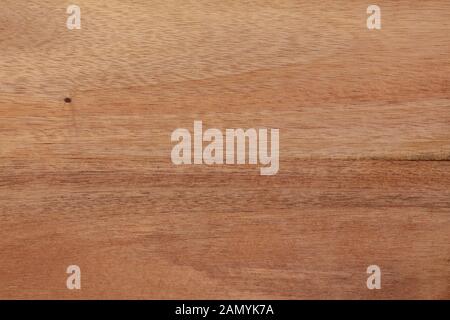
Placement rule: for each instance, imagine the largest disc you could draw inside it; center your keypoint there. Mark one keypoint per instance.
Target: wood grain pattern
(364, 119)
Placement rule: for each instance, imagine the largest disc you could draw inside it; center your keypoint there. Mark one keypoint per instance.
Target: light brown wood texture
(364, 119)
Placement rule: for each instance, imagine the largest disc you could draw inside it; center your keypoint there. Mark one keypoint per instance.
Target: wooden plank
(308, 232)
(364, 119)
(334, 88)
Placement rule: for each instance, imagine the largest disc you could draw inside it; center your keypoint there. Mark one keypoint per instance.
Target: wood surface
(364, 119)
